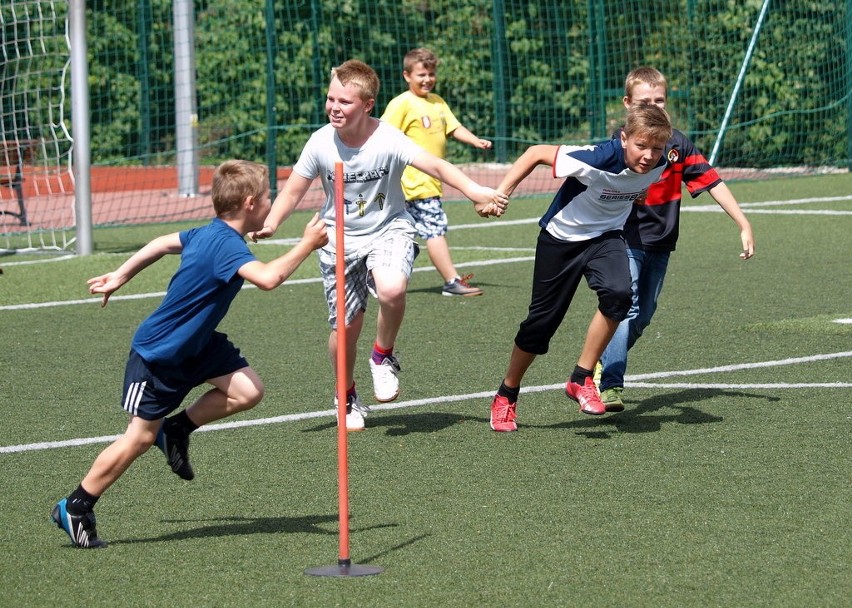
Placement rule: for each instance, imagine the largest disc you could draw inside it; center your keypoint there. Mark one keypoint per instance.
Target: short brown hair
(236, 180)
(648, 120)
(644, 75)
(360, 75)
(419, 55)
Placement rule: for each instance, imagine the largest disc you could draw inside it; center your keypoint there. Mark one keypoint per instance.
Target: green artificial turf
(725, 482)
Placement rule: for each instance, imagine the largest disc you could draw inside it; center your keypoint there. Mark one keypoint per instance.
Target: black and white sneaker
(385, 378)
(80, 528)
(355, 413)
(176, 451)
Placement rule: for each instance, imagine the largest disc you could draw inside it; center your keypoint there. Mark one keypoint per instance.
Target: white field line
(506, 222)
(768, 385)
(799, 201)
(62, 258)
(160, 294)
(756, 208)
(709, 209)
(631, 381)
(752, 207)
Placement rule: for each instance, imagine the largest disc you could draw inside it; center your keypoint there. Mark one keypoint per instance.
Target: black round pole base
(344, 567)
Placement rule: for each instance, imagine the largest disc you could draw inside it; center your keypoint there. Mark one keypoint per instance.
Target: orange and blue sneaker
(587, 396)
(503, 415)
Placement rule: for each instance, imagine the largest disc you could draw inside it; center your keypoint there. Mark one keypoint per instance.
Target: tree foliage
(555, 76)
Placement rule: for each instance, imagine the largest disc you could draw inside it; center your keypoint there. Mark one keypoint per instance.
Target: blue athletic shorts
(153, 390)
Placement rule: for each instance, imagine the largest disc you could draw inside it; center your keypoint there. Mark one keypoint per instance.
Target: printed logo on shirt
(617, 195)
(361, 202)
(359, 177)
(673, 155)
(427, 122)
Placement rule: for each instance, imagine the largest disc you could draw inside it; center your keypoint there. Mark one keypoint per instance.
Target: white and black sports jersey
(598, 195)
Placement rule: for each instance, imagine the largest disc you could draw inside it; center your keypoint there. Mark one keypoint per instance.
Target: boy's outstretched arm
(108, 283)
(294, 191)
(270, 275)
(535, 155)
(487, 201)
(464, 135)
(726, 200)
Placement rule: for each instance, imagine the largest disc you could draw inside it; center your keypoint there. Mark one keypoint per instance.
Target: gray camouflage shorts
(394, 248)
(429, 217)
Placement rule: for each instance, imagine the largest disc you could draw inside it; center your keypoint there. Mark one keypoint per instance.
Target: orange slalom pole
(342, 440)
(344, 566)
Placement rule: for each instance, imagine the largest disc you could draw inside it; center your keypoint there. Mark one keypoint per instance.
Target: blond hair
(644, 75)
(360, 75)
(649, 121)
(236, 180)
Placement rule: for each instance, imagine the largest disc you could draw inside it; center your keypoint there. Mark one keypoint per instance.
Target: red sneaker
(587, 396)
(503, 415)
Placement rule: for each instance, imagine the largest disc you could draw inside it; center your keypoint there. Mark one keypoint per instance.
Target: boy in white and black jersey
(582, 236)
(379, 232)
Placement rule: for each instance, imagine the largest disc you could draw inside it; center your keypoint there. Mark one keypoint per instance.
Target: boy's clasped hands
(496, 206)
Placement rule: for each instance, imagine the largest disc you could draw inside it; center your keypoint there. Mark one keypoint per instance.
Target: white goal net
(36, 190)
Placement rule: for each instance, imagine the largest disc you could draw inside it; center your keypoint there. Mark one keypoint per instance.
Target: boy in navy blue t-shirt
(177, 348)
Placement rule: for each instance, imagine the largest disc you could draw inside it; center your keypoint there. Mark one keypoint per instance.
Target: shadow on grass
(437, 290)
(243, 526)
(646, 417)
(397, 425)
(372, 558)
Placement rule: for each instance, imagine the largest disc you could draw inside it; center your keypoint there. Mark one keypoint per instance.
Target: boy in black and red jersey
(652, 228)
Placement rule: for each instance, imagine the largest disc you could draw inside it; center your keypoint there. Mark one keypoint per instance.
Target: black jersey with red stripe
(654, 224)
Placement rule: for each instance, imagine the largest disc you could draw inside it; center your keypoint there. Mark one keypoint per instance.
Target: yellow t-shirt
(428, 121)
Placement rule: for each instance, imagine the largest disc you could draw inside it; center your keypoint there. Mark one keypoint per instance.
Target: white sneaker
(355, 413)
(385, 380)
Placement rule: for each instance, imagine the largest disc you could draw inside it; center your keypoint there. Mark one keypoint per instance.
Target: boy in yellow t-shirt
(427, 119)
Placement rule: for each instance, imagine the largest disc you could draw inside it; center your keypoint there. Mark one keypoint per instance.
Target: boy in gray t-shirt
(379, 233)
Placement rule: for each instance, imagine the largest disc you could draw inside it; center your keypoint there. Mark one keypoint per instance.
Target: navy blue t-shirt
(198, 296)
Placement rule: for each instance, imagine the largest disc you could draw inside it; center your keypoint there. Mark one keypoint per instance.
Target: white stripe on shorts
(134, 396)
